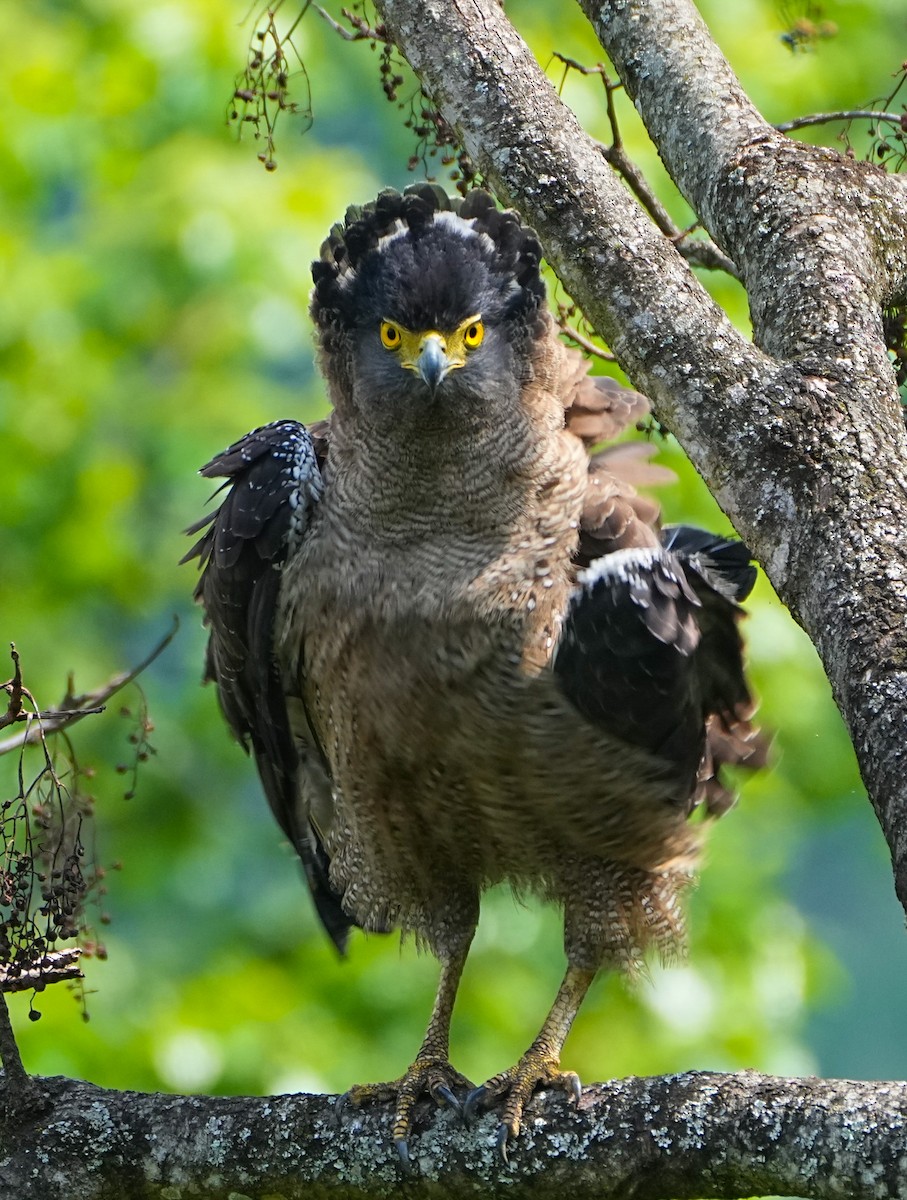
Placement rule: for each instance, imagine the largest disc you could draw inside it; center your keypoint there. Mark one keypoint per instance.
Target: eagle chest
(413, 695)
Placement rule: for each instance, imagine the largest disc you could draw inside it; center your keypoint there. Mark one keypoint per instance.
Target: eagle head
(425, 305)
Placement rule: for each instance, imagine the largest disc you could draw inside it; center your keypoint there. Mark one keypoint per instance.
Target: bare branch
(586, 343)
(59, 966)
(710, 135)
(360, 31)
(898, 119)
(74, 708)
(701, 252)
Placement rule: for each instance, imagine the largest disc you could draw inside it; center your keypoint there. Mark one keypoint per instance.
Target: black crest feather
(509, 249)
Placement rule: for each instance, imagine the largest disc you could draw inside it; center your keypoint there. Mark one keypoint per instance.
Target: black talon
(402, 1145)
(448, 1097)
(500, 1142)
(474, 1101)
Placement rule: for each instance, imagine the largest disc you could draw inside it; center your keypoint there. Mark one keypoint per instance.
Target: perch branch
(667, 1138)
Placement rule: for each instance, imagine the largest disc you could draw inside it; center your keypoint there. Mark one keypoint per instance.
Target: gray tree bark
(634, 1139)
(800, 435)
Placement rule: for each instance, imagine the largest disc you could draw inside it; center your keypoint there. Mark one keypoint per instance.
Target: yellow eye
(390, 335)
(473, 334)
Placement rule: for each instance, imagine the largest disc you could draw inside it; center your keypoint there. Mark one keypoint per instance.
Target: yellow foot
(429, 1075)
(535, 1069)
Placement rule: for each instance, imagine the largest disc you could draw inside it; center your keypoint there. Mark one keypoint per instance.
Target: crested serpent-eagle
(461, 649)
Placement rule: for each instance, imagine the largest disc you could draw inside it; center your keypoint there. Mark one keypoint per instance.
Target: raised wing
(615, 516)
(650, 651)
(273, 483)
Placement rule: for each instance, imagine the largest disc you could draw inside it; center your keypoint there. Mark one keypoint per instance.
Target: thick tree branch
(633, 1139)
(801, 439)
(16, 1078)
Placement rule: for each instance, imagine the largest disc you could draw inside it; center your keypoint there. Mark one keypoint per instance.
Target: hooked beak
(432, 363)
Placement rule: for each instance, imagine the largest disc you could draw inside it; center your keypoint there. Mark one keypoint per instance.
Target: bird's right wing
(650, 649)
(273, 483)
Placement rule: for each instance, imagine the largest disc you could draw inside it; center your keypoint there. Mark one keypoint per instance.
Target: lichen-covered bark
(799, 434)
(634, 1139)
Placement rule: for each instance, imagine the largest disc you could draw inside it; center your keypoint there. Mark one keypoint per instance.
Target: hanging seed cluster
(139, 741)
(436, 139)
(49, 876)
(262, 91)
(45, 874)
(889, 147)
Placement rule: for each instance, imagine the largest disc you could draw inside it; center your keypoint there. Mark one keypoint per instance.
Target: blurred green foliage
(153, 308)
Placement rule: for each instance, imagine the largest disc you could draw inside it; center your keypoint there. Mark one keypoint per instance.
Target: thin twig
(361, 30)
(571, 64)
(587, 344)
(74, 708)
(13, 687)
(899, 119)
(700, 252)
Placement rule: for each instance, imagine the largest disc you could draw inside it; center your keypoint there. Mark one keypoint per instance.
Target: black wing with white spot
(650, 649)
(273, 483)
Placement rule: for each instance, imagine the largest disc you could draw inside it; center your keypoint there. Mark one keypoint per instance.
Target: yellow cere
(467, 336)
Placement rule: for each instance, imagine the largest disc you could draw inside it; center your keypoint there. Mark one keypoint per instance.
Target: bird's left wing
(273, 483)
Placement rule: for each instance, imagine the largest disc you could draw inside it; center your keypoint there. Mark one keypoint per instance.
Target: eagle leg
(540, 1065)
(431, 1073)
